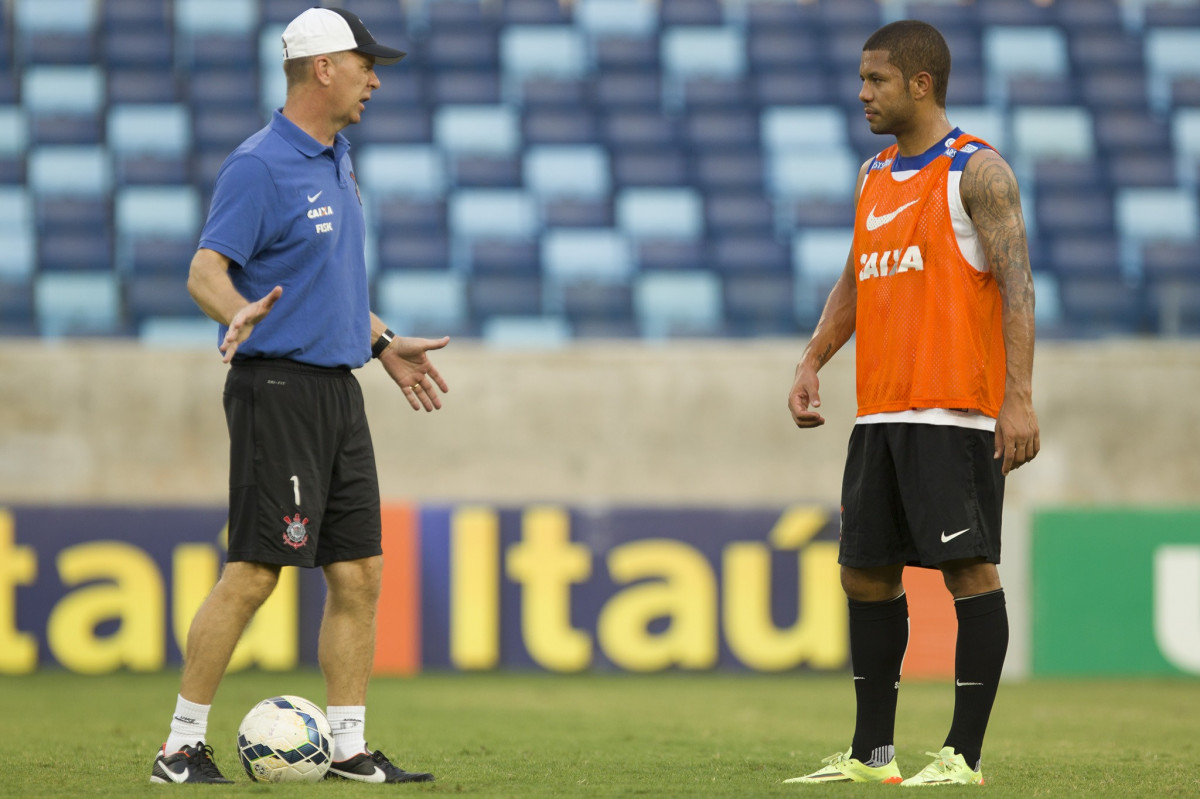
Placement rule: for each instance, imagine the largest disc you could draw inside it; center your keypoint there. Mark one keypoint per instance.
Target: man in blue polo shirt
(286, 226)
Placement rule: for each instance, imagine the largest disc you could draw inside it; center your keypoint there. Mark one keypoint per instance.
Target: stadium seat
(526, 332)
(629, 91)
(721, 130)
(201, 17)
(1067, 133)
(651, 167)
(156, 255)
(1015, 13)
(608, 18)
(1170, 53)
(79, 171)
(1021, 51)
(1175, 307)
(17, 234)
(590, 302)
(786, 87)
(393, 126)
(721, 173)
(225, 128)
(149, 296)
(785, 49)
(1170, 261)
(504, 295)
(745, 253)
(215, 88)
(572, 171)
(175, 333)
(143, 47)
(486, 171)
(717, 95)
(409, 250)
(1094, 255)
(1104, 89)
(421, 299)
(597, 255)
(54, 16)
(801, 128)
(505, 257)
(1099, 306)
(541, 50)
(759, 304)
(1144, 215)
(412, 170)
(689, 51)
(14, 131)
(62, 89)
(738, 214)
(455, 49)
(627, 53)
(157, 212)
(535, 12)
(149, 128)
(665, 255)
(492, 129)
(678, 303)
(829, 173)
(567, 212)
(465, 88)
(692, 12)
(640, 128)
(70, 303)
(660, 213)
(560, 127)
(1088, 14)
(136, 85)
(492, 213)
(1047, 313)
(818, 260)
(565, 94)
(17, 316)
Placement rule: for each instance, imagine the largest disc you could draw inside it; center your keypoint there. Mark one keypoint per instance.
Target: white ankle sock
(348, 723)
(188, 725)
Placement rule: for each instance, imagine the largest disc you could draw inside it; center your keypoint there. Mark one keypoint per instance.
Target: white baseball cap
(332, 30)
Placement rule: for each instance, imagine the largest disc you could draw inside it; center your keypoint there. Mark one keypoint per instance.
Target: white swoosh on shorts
(952, 536)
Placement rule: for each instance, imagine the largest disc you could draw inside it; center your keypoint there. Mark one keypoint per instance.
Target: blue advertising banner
(99, 589)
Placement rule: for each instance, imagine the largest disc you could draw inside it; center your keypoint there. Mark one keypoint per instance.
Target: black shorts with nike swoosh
(303, 490)
(920, 494)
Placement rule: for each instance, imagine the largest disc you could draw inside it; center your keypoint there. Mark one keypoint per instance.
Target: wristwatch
(385, 338)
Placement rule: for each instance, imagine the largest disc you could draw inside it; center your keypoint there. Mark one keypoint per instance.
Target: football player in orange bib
(938, 294)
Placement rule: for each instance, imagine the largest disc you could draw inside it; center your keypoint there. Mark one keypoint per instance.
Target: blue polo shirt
(286, 210)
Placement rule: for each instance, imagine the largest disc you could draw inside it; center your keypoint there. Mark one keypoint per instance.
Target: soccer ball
(285, 739)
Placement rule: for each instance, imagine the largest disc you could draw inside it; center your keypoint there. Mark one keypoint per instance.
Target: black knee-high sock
(878, 640)
(978, 660)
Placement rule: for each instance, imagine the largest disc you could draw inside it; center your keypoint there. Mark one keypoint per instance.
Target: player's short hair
(914, 46)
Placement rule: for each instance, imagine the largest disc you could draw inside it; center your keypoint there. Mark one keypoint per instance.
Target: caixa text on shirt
(890, 262)
(317, 213)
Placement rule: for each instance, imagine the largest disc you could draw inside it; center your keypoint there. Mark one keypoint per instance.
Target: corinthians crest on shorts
(296, 534)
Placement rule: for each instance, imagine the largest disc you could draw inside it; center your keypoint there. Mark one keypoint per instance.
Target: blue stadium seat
(386, 125)
(1018, 52)
(650, 167)
(719, 173)
(54, 16)
(851, 13)
(17, 234)
(62, 89)
(215, 88)
(408, 250)
(1104, 49)
(688, 51)
(486, 171)
(1067, 211)
(50, 129)
(785, 87)
(684, 303)
(744, 253)
(987, 123)
(465, 88)
(566, 94)
(1092, 255)
(567, 212)
(1047, 313)
(76, 171)
(1170, 53)
(576, 171)
(663, 255)
(505, 257)
(794, 50)
(590, 302)
(1014, 12)
(968, 86)
(492, 213)
(404, 214)
(149, 296)
(819, 173)
(504, 295)
(1051, 90)
(57, 48)
(1175, 307)
(167, 211)
(135, 85)
(738, 214)
(144, 47)
(560, 127)
(162, 129)
(609, 18)
(70, 303)
(535, 12)
(800, 127)
(626, 53)
(1145, 215)
(760, 304)
(629, 91)
(157, 255)
(225, 128)
(1123, 89)
(539, 50)
(125, 14)
(471, 49)
(646, 213)
(1101, 306)
(1066, 133)
(1170, 14)
(692, 12)
(721, 130)
(204, 17)
(526, 332)
(490, 129)
(420, 300)
(717, 95)
(1089, 14)
(1171, 262)
(640, 128)
(818, 260)
(821, 213)
(1138, 167)
(16, 307)
(586, 255)
(764, 15)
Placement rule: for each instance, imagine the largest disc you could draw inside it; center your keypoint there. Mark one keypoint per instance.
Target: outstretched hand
(243, 322)
(407, 361)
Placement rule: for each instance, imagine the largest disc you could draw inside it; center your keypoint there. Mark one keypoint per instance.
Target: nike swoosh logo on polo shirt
(953, 536)
(874, 222)
(312, 198)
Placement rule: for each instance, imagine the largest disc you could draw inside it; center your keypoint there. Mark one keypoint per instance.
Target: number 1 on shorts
(296, 489)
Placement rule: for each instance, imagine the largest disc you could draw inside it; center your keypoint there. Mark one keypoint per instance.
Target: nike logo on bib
(952, 536)
(874, 222)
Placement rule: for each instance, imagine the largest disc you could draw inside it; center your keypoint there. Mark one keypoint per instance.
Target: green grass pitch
(613, 734)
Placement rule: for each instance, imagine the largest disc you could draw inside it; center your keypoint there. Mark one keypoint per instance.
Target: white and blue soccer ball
(285, 739)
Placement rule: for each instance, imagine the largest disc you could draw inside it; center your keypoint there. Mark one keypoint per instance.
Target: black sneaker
(374, 767)
(189, 764)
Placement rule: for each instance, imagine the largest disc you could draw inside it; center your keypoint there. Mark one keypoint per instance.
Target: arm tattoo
(824, 356)
(994, 203)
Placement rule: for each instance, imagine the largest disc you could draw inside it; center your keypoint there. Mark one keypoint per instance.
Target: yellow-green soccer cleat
(843, 768)
(948, 768)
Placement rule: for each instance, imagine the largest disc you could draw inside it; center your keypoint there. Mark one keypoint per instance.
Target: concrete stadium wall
(693, 423)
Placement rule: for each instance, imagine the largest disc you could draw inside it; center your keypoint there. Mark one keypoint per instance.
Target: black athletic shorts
(920, 494)
(303, 490)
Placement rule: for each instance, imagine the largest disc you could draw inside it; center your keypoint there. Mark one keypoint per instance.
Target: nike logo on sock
(960, 683)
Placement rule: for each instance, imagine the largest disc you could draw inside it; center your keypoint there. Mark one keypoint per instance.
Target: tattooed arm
(990, 194)
(834, 329)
